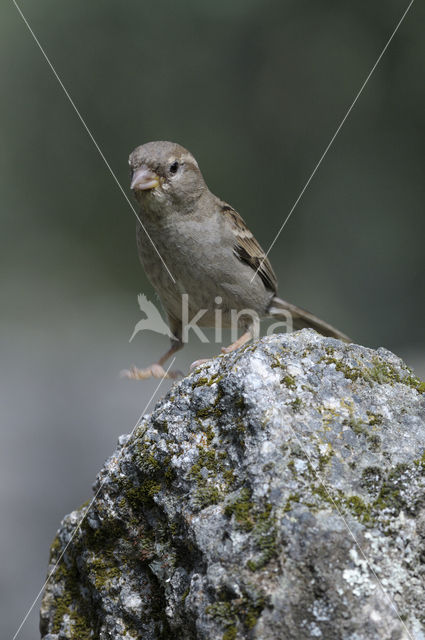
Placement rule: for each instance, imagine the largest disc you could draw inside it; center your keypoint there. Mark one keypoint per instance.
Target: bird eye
(173, 167)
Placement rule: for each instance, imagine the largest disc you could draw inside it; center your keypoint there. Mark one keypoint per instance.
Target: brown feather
(248, 250)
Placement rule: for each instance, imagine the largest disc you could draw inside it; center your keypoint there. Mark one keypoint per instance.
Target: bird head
(165, 173)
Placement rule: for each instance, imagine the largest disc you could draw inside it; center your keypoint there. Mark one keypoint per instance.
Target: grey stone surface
(277, 492)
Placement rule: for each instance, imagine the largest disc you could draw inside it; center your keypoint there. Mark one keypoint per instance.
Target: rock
(275, 493)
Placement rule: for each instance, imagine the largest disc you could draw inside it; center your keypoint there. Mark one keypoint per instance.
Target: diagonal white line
(341, 124)
(322, 482)
(90, 135)
(77, 528)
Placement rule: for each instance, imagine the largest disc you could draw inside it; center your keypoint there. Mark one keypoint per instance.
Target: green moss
(265, 536)
(169, 476)
(240, 403)
(240, 429)
(148, 462)
(105, 570)
(160, 423)
(241, 509)
(324, 459)
(156, 472)
(212, 410)
(230, 613)
(137, 496)
(186, 593)
(104, 537)
(296, 405)
(260, 522)
(55, 549)
(374, 418)
(356, 505)
(153, 467)
(230, 633)
(215, 463)
(420, 462)
(371, 480)
(252, 615)
(349, 373)
(146, 546)
(207, 382)
(102, 566)
(373, 441)
(207, 491)
(223, 611)
(389, 495)
(384, 373)
(358, 426)
(386, 494)
(229, 477)
(163, 427)
(263, 559)
(69, 600)
(289, 381)
(210, 434)
(200, 382)
(417, 384)
(277, 364)
(207, 495)
(380, 372)
(207, 460)
(207, 412)
(293, 498)
(353, 503)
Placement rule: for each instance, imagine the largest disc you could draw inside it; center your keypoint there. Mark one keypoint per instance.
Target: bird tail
(302, 319)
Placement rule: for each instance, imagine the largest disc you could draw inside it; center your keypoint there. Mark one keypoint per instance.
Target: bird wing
(247, 249)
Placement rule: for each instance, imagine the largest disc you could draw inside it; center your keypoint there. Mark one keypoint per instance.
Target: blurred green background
(255, 89)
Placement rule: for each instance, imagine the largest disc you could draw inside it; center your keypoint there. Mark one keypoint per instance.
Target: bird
(153, 320)
(195, 247)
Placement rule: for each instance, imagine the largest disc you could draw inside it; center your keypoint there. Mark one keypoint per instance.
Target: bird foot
(240, 342)
(154, 371)
(197, 363)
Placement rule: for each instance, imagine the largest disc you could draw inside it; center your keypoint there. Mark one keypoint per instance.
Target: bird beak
(144, 179)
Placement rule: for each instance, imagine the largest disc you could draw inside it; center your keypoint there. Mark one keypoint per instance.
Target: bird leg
(198, 363)
(155, 370)
(246, 337)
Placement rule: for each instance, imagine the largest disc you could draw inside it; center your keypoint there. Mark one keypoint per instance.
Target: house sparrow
(207, 249)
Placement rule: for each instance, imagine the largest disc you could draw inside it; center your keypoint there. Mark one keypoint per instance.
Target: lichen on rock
(276, 492)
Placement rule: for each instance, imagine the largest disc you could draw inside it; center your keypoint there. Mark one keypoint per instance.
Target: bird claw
(198, 363)
(154, 371)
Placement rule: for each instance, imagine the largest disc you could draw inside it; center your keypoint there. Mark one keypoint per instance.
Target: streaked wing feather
(248, 250)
